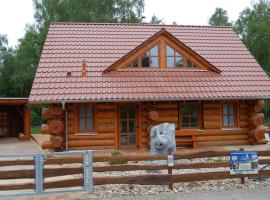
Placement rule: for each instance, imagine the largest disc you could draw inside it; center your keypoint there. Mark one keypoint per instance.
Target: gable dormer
(162, 51)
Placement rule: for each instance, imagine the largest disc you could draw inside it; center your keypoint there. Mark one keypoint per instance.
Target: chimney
(84, 68)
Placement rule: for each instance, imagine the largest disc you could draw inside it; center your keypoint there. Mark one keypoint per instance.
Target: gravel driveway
(13, 145)
(258, 193)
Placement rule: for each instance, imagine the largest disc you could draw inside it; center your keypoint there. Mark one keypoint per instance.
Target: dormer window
(151, 59)
(162, 51)
(190, 64)
(148, 59)
(174, 59)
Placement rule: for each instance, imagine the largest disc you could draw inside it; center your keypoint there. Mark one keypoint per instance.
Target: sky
(15, 14)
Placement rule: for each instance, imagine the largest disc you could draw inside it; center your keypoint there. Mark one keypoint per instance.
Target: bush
(114, 154)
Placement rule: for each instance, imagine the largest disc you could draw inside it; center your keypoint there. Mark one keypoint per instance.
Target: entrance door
(3, 124)
(127, 126)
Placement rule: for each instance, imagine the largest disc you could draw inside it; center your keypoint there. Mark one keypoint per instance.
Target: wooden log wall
(257, 129)
(167, 112)
(211, 134)
(55, 127)
(104, 134)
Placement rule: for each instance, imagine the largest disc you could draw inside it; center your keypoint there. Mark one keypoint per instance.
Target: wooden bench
(185, 138)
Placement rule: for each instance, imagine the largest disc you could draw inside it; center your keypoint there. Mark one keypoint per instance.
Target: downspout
(66, 123)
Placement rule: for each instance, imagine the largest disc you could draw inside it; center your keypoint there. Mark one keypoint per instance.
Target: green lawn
(35, 130)
(267, 121)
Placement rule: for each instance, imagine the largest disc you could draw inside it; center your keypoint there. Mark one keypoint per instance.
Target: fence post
(39, 173)
(90, 171)
(85, 171)
(242, 178)
(170, 167)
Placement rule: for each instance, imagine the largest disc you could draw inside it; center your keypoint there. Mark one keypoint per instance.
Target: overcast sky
(15, 14)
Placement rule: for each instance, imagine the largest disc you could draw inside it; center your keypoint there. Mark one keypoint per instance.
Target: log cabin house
(107, 84)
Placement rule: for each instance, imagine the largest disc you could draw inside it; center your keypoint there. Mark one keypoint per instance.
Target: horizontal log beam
(101, 136)
(134, 167)
(63, 160)
(169, 179)
(21, 186)
(63, 183)
(221, 138)
(4, 163)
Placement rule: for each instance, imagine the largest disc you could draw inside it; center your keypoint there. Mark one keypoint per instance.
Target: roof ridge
(137, 24)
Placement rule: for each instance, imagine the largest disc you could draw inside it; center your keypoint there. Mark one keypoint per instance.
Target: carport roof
(13, 101)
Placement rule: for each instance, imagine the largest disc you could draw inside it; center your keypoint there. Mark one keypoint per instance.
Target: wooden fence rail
(220, 168)
(29, 173)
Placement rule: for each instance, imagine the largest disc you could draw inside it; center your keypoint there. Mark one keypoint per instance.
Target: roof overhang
(150, 99)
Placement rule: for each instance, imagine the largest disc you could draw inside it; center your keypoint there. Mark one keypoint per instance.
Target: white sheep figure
(163, 139)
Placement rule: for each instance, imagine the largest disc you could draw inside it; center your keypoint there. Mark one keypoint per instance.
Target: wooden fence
(39, 173)
(173, 175)
(44, 172)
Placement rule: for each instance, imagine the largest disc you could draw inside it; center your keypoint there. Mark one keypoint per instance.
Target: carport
(14, 118)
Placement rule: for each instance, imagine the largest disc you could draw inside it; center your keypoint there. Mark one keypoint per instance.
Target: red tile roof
(101, 45)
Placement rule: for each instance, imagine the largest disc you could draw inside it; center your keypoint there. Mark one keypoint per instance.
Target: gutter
(150, 99)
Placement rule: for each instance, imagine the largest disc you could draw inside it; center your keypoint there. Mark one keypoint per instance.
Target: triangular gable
(167, 37)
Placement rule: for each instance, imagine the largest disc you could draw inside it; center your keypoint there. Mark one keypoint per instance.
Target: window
(148, 59)
(190, 115)
(134, 63)
(229, 112)
(85, 118)
(174, 59)
(152, 59)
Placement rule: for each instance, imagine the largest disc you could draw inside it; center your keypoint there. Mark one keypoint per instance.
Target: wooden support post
(242, 178)
(170, 167)
(26, 121)
(139, 125)
(170, 173)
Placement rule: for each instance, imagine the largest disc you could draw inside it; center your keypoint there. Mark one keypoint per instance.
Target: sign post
(170, 161)
(243, 162)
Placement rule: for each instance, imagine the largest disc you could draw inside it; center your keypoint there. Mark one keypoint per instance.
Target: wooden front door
(127, 126)
(3, 124)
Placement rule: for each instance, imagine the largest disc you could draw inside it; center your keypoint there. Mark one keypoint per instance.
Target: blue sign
(243, 162)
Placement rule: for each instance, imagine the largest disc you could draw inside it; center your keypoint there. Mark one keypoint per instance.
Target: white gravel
(110, 191)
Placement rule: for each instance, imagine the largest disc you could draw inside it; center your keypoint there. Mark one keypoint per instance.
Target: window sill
(86, 134)
(230, 129)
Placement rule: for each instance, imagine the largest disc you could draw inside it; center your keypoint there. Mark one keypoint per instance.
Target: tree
(219, 18)
(253, 27)
(156, 20)
(18, 66)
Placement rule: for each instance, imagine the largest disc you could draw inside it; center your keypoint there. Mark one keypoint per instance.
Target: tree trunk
(259, 106)
(153, 115)
(57, 141)
(47, 145)
(45, 129)
(257, 120)
(56, 109)
(56, 127)
(45, 113)
(259, 133)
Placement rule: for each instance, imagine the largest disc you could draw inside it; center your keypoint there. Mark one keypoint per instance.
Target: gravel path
(240, 194)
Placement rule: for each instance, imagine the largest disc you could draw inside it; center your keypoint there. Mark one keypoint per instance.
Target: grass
(267, 121)
(217, 159)
(114, 154)
(35, 130)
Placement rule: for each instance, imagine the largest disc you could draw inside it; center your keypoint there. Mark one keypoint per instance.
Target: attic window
(190, 64)
(174, 59)
(147, 59)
